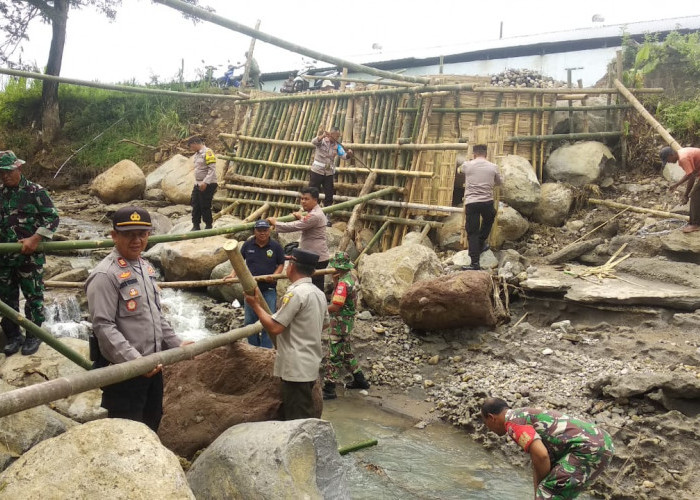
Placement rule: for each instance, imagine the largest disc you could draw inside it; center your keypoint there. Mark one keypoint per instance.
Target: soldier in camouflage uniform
(338, 352)
(27, 216)
(567, 454)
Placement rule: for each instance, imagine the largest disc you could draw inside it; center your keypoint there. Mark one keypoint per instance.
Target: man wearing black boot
(27, 216)
(205, 183)
(480, 178)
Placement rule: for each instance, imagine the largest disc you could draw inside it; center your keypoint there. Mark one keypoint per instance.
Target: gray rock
(554, 204)
(509, 226)
(572, 251)
(121, 183)
(580, 163)
(521, 188)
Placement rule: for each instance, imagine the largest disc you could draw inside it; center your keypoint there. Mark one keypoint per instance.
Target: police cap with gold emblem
(131, 219)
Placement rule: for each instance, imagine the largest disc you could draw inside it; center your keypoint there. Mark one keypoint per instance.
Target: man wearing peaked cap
(28, 217)
(127, 319)
(298, 325)
(263, 256)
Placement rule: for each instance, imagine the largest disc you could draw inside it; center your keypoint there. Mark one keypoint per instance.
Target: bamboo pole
(360, 80)
(226, 210)
(359, 146)
(665, 135)
(265, 182)
(564, 90)
(246, 72)
(562, 137)
(373, 241)
(14, 316)
(118, 88)
(52, 246)
(191, 283)
(344, 450)
(350, 228)
(257, 214)
(39, 394)
(631, 208)
(211, 17)
(342, 170)
(395, 220)
(518, 108)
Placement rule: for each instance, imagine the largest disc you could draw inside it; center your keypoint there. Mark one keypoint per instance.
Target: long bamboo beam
(495, 109)
(211, 17)
(342, 170)
(373, 241)
(53, 246)
(563, 137)
(564, 90)
(7, 312)
(640, 210)
(191, 283)
(109, 86)
(39, 394)
(665, 135)
(359, 80)
(396, 220)
(463, 146)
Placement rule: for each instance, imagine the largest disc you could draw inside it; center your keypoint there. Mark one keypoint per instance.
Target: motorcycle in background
(297, 83)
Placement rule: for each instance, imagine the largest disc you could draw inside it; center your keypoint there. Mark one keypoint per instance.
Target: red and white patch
(121, 262)
(131, 305)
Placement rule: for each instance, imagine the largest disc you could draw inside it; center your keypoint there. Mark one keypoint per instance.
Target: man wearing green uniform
(342, 313)
(27, 216)
(567, 454)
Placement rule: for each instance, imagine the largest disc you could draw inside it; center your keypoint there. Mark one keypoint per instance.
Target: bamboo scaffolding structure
(373, 241)
(358, 146)
(191, 283)
(211, 17)
(265, 182)
(640, 210)
(564, 90)
(665, 135)
(349, 234)
(360, 80)
(563, 137)
(351, 170)
(517, 108)
(9, 313)
(395, 220)
(118, 88)
(46, 392)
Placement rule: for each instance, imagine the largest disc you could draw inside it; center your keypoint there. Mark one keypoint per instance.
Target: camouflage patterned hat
(9, 161)
(341, 261)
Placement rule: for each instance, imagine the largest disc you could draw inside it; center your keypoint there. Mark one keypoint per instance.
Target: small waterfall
(64, 318)
(185, 314)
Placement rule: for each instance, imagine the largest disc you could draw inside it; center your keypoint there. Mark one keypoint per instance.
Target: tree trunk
(50, 119)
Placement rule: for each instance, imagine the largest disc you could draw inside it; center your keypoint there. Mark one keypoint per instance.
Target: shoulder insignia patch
(151, 270)
(125, 275)
(133, 292)
(131, 305)
(307, 217)
(286, 298)
(209, 157)
(121, 262)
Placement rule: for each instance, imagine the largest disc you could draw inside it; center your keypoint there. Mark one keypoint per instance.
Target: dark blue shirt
(262, 260)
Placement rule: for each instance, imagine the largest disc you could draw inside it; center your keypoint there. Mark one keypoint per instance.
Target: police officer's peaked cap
(304, 257)
(341, 260)
(9, 161)
(131, 219)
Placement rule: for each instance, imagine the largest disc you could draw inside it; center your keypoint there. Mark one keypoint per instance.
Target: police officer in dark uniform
(127, 319)
(27, 216)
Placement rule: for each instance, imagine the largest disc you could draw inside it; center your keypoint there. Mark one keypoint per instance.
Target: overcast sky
(151, 39)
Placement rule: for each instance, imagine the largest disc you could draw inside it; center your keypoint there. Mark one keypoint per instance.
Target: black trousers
(480, 217)
(320, 280)
(201, 205)
(324, 183)
(139, 399)
(296, 400)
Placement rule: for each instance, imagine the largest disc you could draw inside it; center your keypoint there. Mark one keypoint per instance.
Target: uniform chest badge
(133, 292)
(270, 253)
(151, 270)
(131, 305)
(125, 275)
(121, 262)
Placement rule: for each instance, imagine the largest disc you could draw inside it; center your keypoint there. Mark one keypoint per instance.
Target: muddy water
(437, 462)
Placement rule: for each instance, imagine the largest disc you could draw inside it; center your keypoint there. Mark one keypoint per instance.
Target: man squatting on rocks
(127, 319)
(205, 183)
(312, 227)
(323, 166)
(480, 178)
(342, 313)
(262, 255)
(567, 454)
(27, 216)
(689, 160)
(298, 324)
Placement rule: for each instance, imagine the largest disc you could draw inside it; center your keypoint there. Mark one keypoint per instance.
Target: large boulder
(295, 459)
(229, 293)
(673, 172)
(189, 259)
(219, 389)
(580, 163)
(123, 182)
(49, 364)
(108, 458)
(592, 121)
(461, 299)
(155, 178)
(386, 276)
(20, 431)
(177, 183)
(416, 238)
(450, 233)
(554, 204)
(521, 188)
(509, 226)
(680, 242)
